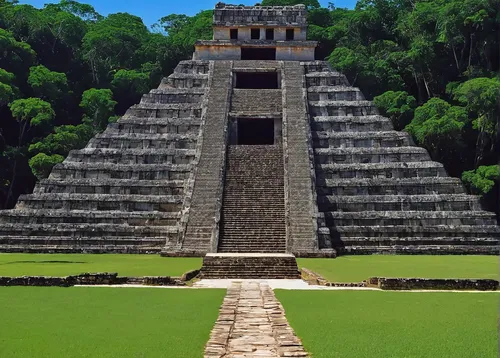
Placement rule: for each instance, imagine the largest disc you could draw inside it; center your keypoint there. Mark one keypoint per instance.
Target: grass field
(106, 322)
(359, 268)
(393, 324)
(71, 264)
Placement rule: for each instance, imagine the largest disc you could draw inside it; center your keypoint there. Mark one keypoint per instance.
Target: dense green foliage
(393, 324)
(66, 72)
(359, 268)
(74, 264)
(481, 180)
(106, 322)
(430, 65)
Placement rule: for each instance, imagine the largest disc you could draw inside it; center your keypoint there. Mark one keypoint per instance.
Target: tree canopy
(431, 66)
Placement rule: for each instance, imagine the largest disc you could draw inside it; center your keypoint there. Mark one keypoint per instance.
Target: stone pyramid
(252, 146)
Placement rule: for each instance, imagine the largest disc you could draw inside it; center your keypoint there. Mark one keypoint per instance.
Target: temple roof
(239, 15)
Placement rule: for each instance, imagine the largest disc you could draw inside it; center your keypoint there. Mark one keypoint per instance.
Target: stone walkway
(252, 323)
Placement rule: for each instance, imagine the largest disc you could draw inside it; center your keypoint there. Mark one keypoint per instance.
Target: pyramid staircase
(376, 191)
(253, 210)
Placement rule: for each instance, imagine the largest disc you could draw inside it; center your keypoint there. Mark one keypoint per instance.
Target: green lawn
(359, 268)
(71, 264)
(393, 324)
(106, 322)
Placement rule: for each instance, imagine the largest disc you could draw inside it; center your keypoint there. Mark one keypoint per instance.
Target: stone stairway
(203, 213)
(249, 266)
(301, 206)
(253, 210)
(124, 192)
(376, 191)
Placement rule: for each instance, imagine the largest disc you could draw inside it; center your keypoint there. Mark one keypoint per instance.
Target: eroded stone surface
(252, 323)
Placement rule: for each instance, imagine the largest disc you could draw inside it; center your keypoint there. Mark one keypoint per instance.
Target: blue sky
(152, 10)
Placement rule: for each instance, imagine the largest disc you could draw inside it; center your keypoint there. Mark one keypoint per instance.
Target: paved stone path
(252, 323)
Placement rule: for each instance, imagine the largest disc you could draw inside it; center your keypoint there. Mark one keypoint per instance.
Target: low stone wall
(314, 278)
(385, 283)
(93, 279)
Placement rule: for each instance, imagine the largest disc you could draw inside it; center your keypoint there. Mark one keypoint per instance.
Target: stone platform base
(249, 265)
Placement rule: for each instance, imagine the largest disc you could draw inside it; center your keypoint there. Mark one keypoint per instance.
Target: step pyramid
(171, 177)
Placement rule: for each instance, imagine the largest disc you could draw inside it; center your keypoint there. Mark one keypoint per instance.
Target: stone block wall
(295, 53)
(386, 283)
(256, 100)
(207, 52)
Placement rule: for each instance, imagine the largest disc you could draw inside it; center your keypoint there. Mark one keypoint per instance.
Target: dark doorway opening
(290, 34)
(233, 33)
(255, 34)
(255, 131)
(258, 53)
(257, 80)
(269, 34)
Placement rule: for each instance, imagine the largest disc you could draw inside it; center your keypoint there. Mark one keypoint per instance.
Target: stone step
(334, 93)
(252, 232)
(135, 125)
(101, 202)
(82, 242)
(182, 95)
(389, 186)
(254, 101)
(324, 78)
(342, 108)
(132, 218)
(410, 241)
(405, 231)
(258, 249)
(83, 230)
(143, 141)
(316, 66)
(408, 218)
(132, 156)
(76, 170)
(268, 186)
(277, 240)
(193, 66)
(171, 110)
(111, 186)
(381, 170)
(373, 123)
(243, 243)
(438, 202)
(80, 247)
(370, 155)
(421, 250)
(361, 139)
(185, 80)
(251, 220)
(247, 265)
(251, 208)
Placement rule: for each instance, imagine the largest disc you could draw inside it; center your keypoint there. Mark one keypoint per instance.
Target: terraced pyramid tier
(376, 191)
(125, 191)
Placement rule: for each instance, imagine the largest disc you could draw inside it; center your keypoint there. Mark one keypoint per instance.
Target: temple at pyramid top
(258, 33)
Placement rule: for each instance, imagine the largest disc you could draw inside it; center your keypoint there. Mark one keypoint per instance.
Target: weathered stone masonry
(300, 163)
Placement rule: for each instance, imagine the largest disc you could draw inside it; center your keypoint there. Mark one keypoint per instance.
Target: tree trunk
(419, 87)
(456, 58)
(22, 130)
(429, 94)
(470, 50)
